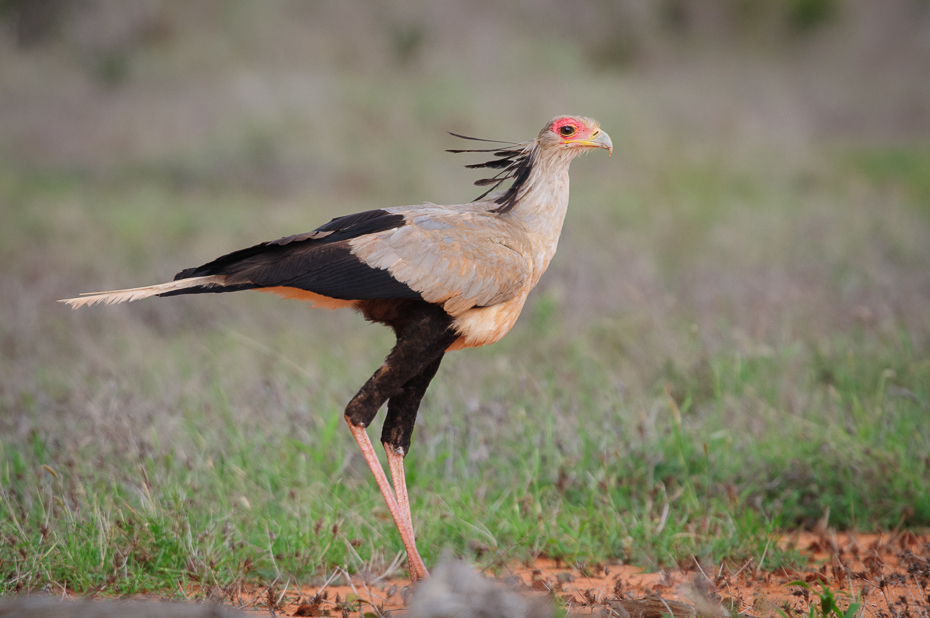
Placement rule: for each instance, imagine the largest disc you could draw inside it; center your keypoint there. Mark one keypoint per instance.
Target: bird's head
(561, 140)
(575, 133)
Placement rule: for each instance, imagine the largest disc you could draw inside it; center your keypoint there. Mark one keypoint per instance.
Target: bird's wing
(320, 262)
(454, 257)
(457, 257)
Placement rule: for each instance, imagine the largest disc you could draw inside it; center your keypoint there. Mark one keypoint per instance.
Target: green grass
(237, 492)
(826, 605)
(899, 169)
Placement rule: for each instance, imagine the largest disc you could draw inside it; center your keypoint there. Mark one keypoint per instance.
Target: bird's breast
(481, 326)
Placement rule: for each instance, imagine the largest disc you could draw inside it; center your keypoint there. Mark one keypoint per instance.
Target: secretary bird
(442, 277)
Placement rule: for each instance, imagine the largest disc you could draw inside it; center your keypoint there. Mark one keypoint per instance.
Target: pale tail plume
(125, 296)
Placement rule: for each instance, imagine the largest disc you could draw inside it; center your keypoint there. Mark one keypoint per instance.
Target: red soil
(888, 574)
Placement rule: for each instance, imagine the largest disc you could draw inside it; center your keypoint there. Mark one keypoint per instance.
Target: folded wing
(453, 256)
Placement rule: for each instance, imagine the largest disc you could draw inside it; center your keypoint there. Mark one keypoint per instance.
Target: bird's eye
(567, 130)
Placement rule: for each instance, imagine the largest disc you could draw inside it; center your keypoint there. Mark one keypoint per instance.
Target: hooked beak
(602, 140)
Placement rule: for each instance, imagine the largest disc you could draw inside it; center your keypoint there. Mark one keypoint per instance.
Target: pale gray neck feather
(543, 201)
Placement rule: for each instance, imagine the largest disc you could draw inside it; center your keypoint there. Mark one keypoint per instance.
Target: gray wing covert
(458, 259)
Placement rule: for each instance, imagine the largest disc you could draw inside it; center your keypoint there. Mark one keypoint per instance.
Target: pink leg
(401, 520)
(399, 479)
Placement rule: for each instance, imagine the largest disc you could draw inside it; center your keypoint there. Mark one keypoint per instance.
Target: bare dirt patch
(887, 574)
(884, 575)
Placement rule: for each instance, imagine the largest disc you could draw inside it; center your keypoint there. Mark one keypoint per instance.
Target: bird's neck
(541, 205)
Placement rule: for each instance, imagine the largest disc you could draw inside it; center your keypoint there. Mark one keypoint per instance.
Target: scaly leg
(398, 428)
(401, 519)
(422, 339)
(399, 480)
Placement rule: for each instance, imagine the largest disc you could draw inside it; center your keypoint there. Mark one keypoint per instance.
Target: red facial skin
(581, 131)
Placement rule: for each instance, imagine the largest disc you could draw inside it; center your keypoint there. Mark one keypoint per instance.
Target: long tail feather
(125, 296)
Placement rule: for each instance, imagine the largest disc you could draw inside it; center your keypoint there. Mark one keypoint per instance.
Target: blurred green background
(733, 340)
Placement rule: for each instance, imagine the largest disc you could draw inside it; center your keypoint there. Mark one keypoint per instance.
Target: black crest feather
(515, 164)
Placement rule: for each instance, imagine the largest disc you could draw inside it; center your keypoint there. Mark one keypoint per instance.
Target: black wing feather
(318, 261)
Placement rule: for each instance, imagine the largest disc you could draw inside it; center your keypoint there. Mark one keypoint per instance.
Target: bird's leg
(399, 480)
(398, 428)
(422, 338)
(401, 520)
